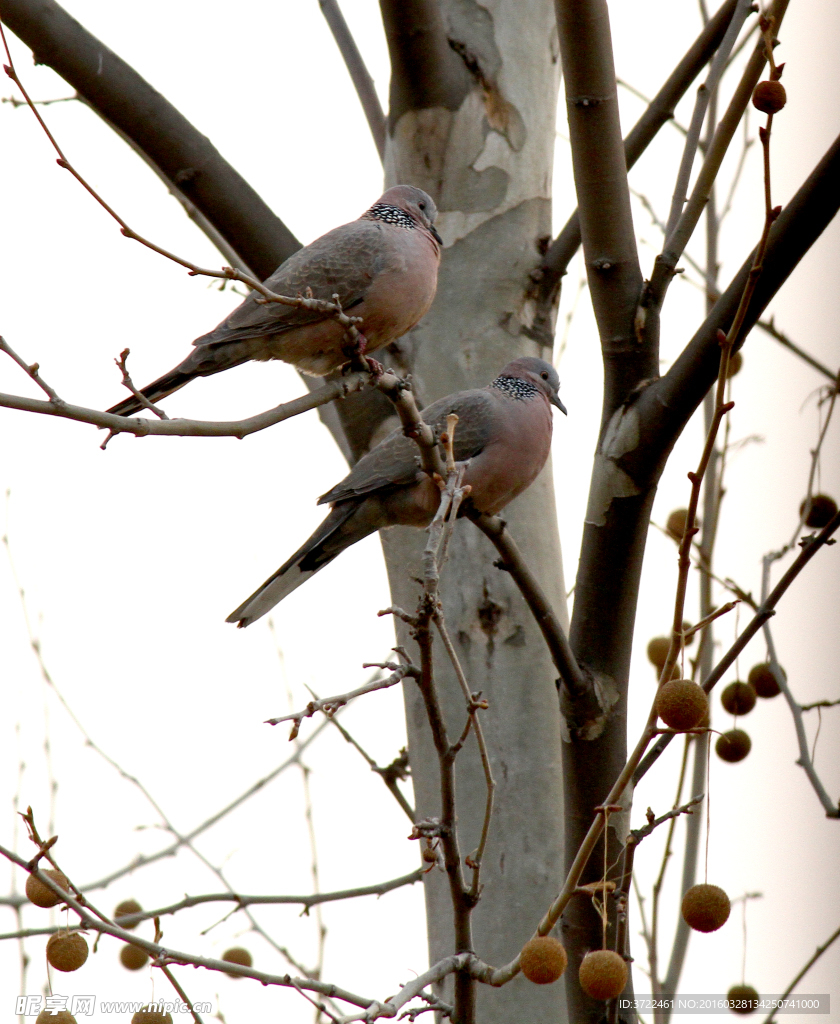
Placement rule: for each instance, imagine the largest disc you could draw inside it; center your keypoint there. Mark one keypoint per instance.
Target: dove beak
(435, 235)
(555, 400)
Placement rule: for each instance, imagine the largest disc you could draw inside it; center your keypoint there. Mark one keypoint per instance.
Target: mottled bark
(487, 162)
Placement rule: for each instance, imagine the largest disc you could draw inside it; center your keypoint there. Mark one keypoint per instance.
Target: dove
(383, 267)
(503, 435)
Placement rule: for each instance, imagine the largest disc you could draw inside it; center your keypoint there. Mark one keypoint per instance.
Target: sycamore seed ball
(738, 698)
(151, 1015)
(823, 509)
(742, 999)
(733, 746)
(603, 974)
(657, 651)
(681, 704)
(133, 958)
(705, 908)
(62, 1017)
(736, 361)
(763, 681)
(769, 97)
(676, 523)
(237, 955)
(124, 909)
(543, 959)
(41, 895)
(67, 951)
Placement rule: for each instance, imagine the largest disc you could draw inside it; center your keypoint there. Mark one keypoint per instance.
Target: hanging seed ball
(736, 361)
(67, 951)
(676, 523)
(769, 97)
(742, 999)
(763, 681)
(603, 974)
(133, 958)
(124, 909)
(657, 651)
(705, 908)
(822, 511)
(543, 959)
(738, 698)
(733, 746)
(681, 704)
(151, 1015)
(48, 1017)
(40, 894)
(237, 955)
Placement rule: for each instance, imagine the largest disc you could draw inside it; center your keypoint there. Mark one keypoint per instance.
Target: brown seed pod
(41, 895)
(124, 909)
(823, 509)
(736, 361)
(603, 974)
(763, 681)
(769, 97)
(705, 908)
(657, 651)
(67, 951)
(543, 959)
(733, 746)
(151, 1015)
(742, 999)
(675, 526)
(133, 958)
(237, 955)
(61, 1017)
(738, 698)
(681, 704)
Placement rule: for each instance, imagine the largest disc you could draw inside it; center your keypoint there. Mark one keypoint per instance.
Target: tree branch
(425, 71)
(359, 74)
(659, 112)
(184, 155)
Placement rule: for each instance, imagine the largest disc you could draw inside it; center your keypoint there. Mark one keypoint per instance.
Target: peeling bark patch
(609, 480)
(489, 614)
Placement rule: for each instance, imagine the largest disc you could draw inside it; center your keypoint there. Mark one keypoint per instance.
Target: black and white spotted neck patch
(391, 215)
(516, 387)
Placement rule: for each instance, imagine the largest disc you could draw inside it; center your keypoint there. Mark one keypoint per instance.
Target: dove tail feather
(322, 547)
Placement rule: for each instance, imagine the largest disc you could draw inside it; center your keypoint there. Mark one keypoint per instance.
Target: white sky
(130, 559)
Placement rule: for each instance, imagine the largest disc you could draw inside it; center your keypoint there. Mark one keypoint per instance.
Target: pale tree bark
(473, 106)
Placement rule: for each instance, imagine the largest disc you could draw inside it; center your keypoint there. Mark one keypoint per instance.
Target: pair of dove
(383, 268)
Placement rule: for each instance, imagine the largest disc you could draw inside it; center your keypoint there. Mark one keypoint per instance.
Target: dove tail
(337, 532)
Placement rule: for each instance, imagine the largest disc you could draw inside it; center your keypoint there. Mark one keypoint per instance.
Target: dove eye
(422, 206)
(544, 375)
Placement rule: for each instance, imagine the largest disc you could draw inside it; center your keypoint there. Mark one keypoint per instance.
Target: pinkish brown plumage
(503, 435)
(383, 267)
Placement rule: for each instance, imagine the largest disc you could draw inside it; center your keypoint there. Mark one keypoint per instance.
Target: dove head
(535, 373)
(403, 203)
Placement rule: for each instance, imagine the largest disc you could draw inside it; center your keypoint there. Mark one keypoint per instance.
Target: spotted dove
(503, 435)
(383, 267)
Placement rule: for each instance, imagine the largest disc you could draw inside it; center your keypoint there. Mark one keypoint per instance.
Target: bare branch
(132, 105)
(330, 705)
(660, 111)
(817, 954)
(359, 74)
(767, 609)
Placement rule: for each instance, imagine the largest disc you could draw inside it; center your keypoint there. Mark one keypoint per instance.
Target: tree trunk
(488, 165)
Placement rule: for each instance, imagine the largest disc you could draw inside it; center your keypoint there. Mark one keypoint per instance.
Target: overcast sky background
(130, 559)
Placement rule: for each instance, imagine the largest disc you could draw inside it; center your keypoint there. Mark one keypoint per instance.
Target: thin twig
(817, 954)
